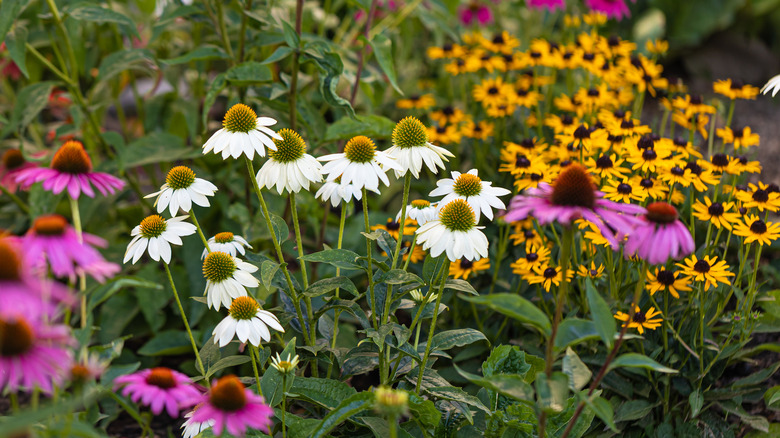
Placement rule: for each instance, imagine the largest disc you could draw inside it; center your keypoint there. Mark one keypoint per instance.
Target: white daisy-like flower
(285, 366)
(181, 190)
(337, 192)
(194, 428)
(454, 232)
(421, 211)
(772, 85)
(156, 234)
(246, 321)
(242, 133)
(480, 195)
(360, 164)
(411, 149)
(227, 278)
(289, 167)
(227, 242)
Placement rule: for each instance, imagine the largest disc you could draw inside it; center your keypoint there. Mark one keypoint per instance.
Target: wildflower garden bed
(390, 219)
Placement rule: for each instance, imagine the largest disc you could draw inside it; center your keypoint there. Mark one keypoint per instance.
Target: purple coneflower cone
(661, 236)
(159, 388)
(232, 407)
(573, 196)
(476, 11)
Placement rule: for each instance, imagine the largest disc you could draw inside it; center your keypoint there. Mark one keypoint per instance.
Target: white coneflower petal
(227, 278)
(181, 190)
(227, 242)
(289, 168)
(480, 195)
(242, 133)
(156, 235)
(246, 322)
(454, 233)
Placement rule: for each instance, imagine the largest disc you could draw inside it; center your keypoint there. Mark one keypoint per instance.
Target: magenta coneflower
(550, 5)
(574, 196)
(475, 12)
(232, 407)
(71, 168)
(661, 236)
(159, 388)
(52, 240)
(611, 8)
(11, 164)
(32, 353)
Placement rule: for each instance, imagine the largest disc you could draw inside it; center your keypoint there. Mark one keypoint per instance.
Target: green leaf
(516, 307)
(376, 127)
(9, 12)
(328, 284)
(381, 428)
(573, 331)
(15, 42)
(552, 392)
(332, 67)
(216, 86)
(399, 276)
(509, 385)
(340, 258)
(696, 399)
(772, 397)
(104, 291)
(633, 410)
(352, 405)
(757, 377)
(96, 14)
(226, 362)
(128, 59)
(157, 147)
(290, 35)
(267, 271)
(201, 53)
(281, 230)
(578, 373)
(636, 360)
(603, 409)
(167, 343)
(460, 285)
(755, 421)
(30, 101)
(452, 393)
(602, 316)
(327, 393)
(424, 411)
(456, 338)
(280, 53)
(248, 73)
(383, 50)
(271, 382)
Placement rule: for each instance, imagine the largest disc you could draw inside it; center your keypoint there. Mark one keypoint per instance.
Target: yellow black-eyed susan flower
(760, 197)
(734, 89)
(662, 279)
(716, 213)
(466, 268)
(591, 271)
(417, 101)
(650, 320)
(740, 138)
(708, 270)
(756, 230)
(393, 227)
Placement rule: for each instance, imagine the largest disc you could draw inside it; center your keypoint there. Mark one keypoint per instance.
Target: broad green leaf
(633, 410)
(9, 12)
(167, 343)
(757, 377)
(516, 307)
(696, 400)
(128, 59)
(453, 393)
(456, 338)
(280, 53)
(552, 392)
(267, 271)
(30, 101)
(281, 230)
(248, 73)
(399, 276)
(340, 258)
(603, 409)
(328, 284)
(327, 393)
(772, 397)
(376, 127)
(603, 319)
(578, 373)
(424, 411)
(157, 147)
(15, 42)
(383, 50)
(209, 354)
(96, 14)
(636, 360)
(104, 291)
(332, 68)
(573, 331)
(352, 405)
(509, 385)
(290, 35)
(755, 421)
(460, 285)
(381, 429)
(201, 53)
(271, 382)
(226, 362)
(510, 359)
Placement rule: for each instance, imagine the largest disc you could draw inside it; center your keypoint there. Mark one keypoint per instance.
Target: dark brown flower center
(627, 124)
(661, 213)
(582, 132)
(72, 158)
(10, 263)
(604, 162)
(665, 277)
(624, 189)
(716, 209)
(532, 257)
(466, 264)
(760, 195)
(574, 188)
(492, 90)
(522, 161)
(16, 337)
(758, 227)
(161, 377)
(649, 155)
(647, 183)
(677, 171)
(720, 160)
(550, 273)
(50, 225)
(12, 159)
(639, 317)
(645, 143)
(393, 225)
(702, 267)
(228, 394)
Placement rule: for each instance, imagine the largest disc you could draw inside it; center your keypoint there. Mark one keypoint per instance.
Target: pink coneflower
(32, 353)
(475, 12)
(52, 240)
(611, 8)
(11, 164)
(550, 5)
(159, 388)
(574, 196)
(661, 236)
(233, 407)
(71, 168)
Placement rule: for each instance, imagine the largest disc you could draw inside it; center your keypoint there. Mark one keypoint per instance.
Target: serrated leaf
(128, 59)
(602, 317)
(456, 338)
(460, 285)
(327, 393)
(755, 421)
(578, 373)
(267, 271)
(15, 42)
(201, 53)
(424, 411)
(226, 362)
(516, 307)
(383, 51)
(452, 393)
(96, 14)
(328, 284)
(347, 408)
(636, 360)
(509, 385)
(340, 258)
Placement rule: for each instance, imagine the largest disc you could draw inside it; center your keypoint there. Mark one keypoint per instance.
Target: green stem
(42, 59)
(362, 53)
(223, 29)
(242, 35)
(186, 323)
(200, 230)
(304, 275)
(370, 261)
(337, 312)
(255, 354)
(445, 272)
(296, 66)
(407, 185)
(22, 206)
(66, 40)
(393, 424)
(284, 404)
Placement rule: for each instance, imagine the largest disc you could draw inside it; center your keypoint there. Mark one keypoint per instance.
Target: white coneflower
(480, 195)
(227, 278)
(411, 149)
(360, 164)
(421, 211)
(242, 133)
(156, 234)
(246, 321)
(455, 232)
(181, 190)
(285, 366)
(337, 192)
(193, 428)
(227, 242)
(289, 167)
(773, 86)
